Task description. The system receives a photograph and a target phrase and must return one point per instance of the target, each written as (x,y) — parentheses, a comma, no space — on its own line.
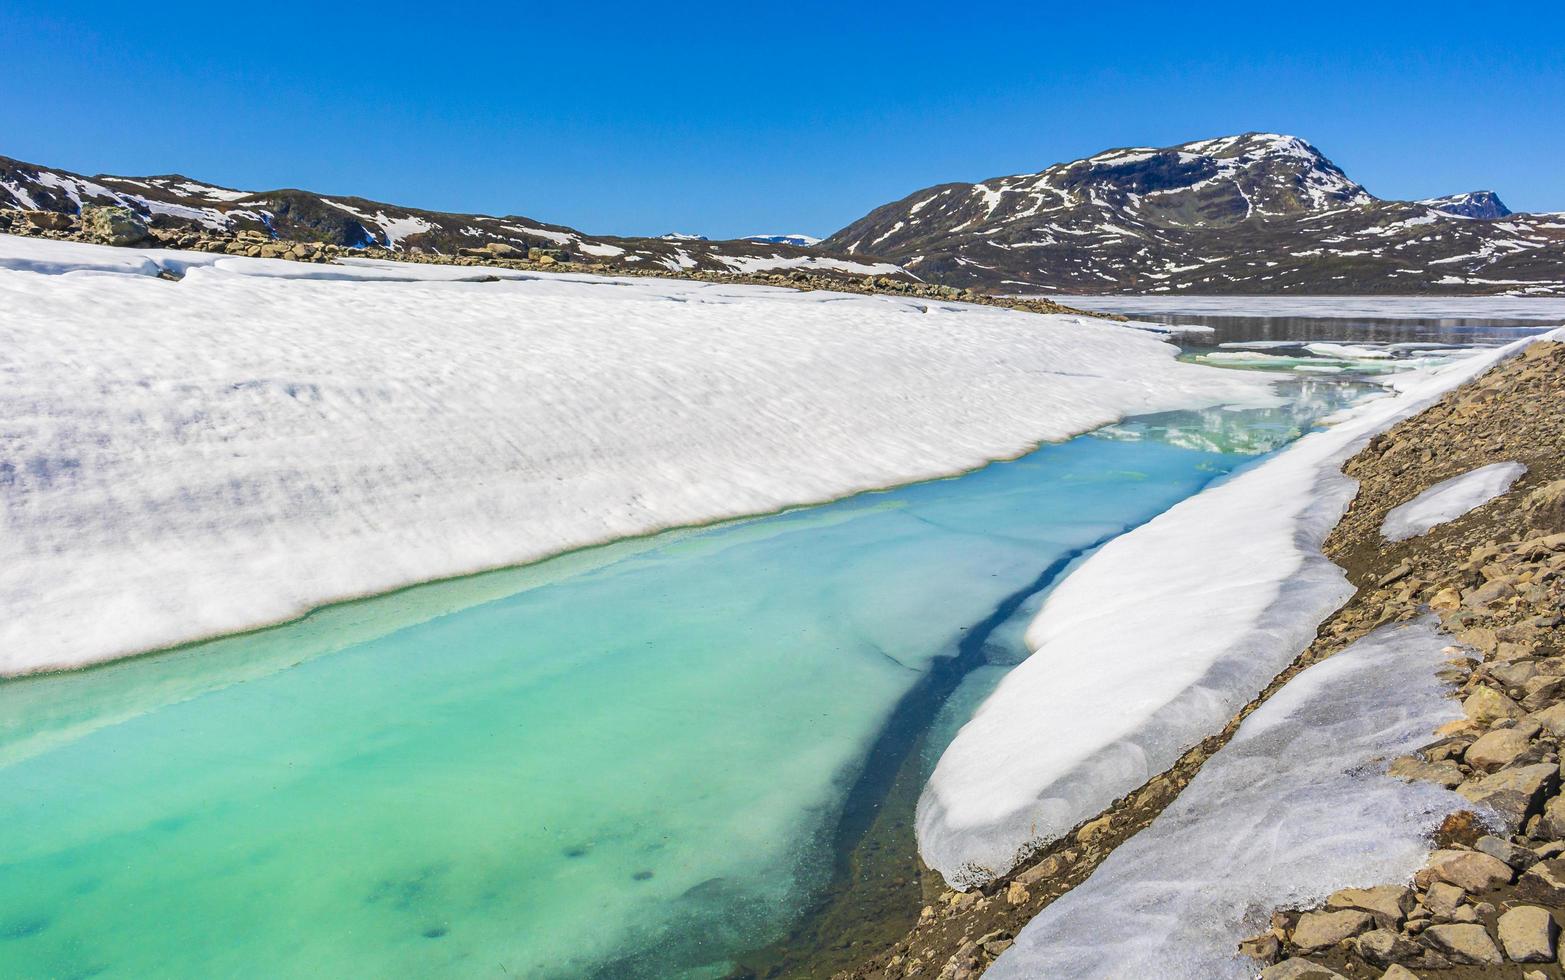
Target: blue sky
(729,119)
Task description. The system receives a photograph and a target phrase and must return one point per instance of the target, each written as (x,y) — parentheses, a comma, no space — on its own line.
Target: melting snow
(1450,499)
(196,457)
(1296,806)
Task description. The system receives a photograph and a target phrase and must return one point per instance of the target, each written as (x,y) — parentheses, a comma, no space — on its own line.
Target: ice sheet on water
(1296,806)
(190,458)
(1155,642)
(1450,499)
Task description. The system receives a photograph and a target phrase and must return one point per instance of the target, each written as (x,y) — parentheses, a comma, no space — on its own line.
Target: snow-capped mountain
(1254,213)
(173,200)
(1474,204)
(802,241)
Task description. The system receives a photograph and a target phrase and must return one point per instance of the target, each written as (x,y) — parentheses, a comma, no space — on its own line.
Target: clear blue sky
(728,119)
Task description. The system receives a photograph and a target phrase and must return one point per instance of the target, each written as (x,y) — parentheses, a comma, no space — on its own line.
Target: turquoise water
(624,762)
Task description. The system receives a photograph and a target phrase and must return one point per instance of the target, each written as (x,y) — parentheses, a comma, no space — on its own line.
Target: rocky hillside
(1256,213)
(176,203)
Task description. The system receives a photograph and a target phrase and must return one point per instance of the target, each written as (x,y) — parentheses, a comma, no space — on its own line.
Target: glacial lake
(632,761)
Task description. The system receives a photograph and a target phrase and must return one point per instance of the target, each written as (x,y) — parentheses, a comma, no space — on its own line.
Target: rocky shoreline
(123,227)
(1496,578)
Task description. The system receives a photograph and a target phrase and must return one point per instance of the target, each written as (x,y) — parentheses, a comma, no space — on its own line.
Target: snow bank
(1296,806)
(1450,499)
(183,459)
(1155,642)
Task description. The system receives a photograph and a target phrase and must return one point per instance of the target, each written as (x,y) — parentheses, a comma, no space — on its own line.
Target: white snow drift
(1154,643)
(1450,499)
(182,459)
(1296,806)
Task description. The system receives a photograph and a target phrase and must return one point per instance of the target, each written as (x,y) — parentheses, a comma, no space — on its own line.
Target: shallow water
(625,762)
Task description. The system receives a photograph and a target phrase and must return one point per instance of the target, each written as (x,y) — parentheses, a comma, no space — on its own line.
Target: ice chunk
(1295,807)
(1154,643)
(1450,499)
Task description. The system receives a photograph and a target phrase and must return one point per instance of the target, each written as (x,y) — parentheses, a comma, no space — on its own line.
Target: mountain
(1474,204)
(803,241)
(1254,213)
(173,202)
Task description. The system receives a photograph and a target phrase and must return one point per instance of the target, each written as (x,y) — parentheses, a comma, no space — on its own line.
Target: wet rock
(1468,870)
(1319,930)
(1444,773)
(1528,934)
(1266,947)
(1514,793)
(1464,944)
(1517,857)
(1389,904)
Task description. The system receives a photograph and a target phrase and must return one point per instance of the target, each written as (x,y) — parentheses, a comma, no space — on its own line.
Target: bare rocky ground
(123,227)
(1490,901)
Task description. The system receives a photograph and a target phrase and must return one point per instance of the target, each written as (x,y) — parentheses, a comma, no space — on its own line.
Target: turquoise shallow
(622,762)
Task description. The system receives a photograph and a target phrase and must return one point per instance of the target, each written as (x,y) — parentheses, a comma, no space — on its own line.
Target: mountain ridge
(177,202)
(1250,213)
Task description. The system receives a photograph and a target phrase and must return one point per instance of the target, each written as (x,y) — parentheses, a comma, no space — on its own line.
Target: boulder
(1297,969)
(1497,749)
(1544,883)
(1528,934)
(1463,943)
(1517,857)
(1398,972)
(1545,506)
(1485,706)
(49,220)
(1514,793)
(1320,930)
(504,250)
(1552,824)
(1444,773)
(114,225)
(1385,946)
(1469,870)
(1443,898)
(1389,904)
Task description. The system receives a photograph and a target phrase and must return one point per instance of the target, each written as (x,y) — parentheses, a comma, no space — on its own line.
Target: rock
(502,250)
(1446,600)
(1092,829)
(1517,857)
(1443,898)
(1389,904)
(49,220)
(1552,719)
(1552,823)
(1491,592)
(1485,706)
(1469,870)
(1459,828)
(1398,972)
(1446,773)
(1463,943)
(1544,883)
(1319,930)
(1528,934)
(1384,946)
(1514,793)
(1396,573)
(1545,506)
(1265,947)
(114,225)
(1481,638)
(1047,868)
(1017,893)
(1299,969)
(1497,749)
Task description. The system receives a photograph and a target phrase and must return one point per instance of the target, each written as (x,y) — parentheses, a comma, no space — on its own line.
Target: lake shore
(1505,415)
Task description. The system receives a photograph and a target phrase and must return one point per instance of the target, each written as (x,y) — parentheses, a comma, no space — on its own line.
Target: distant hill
(1254,213)
(173,200)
